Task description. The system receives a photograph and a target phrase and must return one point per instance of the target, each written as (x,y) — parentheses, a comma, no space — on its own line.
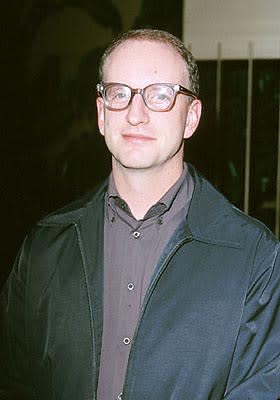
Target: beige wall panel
(235,24)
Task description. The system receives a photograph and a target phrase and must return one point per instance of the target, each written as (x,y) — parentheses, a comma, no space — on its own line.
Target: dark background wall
(51,151)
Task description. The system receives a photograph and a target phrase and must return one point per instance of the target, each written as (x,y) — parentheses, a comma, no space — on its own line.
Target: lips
(137,138)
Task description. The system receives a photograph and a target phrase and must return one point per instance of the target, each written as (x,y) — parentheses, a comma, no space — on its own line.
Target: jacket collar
(212,218)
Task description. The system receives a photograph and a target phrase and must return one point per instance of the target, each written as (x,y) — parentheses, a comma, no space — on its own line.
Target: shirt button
(136,234)
(126,341)
(130,286)
(123,206)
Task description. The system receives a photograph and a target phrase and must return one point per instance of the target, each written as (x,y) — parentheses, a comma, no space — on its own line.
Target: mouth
(137,138)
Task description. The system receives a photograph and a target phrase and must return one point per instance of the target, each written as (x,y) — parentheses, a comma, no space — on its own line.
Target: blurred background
(51,151)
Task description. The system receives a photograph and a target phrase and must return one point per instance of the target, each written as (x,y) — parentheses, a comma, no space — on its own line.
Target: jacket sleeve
(255,369)
(15,375)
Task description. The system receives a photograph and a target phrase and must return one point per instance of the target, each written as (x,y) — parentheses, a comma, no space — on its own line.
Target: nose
(137,111)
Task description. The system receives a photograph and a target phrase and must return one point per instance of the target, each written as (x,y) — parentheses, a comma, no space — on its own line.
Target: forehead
(141,62)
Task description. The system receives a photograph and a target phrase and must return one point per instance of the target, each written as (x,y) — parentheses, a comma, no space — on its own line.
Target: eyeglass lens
(117,96)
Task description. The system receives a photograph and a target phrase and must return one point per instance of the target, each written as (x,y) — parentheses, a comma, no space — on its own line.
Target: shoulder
(215,218)
(56,237)
(61,224)
(76,210)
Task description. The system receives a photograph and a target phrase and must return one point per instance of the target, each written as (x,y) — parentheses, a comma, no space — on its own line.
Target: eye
(160,94)
(120,95)
(117,94)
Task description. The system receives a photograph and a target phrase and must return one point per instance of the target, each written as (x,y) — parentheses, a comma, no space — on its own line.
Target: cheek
(173,127)
(113,120)
(110,128)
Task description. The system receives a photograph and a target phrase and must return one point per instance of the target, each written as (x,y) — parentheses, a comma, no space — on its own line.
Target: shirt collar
(183,184)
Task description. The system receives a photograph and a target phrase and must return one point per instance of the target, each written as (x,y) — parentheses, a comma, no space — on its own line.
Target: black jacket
(210,324)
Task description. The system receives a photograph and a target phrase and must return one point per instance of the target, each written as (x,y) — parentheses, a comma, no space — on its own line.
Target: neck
(141,189)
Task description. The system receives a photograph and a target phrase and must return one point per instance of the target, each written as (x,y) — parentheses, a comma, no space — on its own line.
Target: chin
(135,164)
(134,160)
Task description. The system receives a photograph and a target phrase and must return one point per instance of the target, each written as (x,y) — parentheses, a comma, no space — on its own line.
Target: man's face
(137,137)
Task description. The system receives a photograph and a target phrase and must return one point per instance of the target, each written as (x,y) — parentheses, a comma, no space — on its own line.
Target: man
(154,287)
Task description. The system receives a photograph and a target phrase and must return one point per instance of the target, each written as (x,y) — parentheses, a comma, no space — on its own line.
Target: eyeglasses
(157,96)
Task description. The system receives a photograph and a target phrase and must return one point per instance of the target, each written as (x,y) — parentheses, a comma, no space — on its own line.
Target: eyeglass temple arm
(186,91)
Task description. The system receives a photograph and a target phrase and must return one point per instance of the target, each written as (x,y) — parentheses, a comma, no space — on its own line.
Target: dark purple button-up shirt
(132,249)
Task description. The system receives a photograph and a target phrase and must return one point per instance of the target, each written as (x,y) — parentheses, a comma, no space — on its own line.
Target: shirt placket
(130,301)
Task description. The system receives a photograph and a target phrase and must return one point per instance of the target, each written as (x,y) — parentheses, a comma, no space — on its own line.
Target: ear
(100,114)
(193,118)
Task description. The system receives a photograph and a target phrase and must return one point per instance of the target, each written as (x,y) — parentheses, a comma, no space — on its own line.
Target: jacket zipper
(148,295)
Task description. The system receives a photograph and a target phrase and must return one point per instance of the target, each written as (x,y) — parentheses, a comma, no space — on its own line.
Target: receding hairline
(157,36)
(125,44)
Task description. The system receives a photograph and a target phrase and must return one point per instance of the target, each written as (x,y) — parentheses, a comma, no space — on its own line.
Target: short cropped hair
(155,35)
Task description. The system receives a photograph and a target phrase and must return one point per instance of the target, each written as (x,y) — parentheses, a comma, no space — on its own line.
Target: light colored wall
(234,23)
